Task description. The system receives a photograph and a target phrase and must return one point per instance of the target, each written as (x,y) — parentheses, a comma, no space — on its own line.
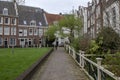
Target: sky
(57,6)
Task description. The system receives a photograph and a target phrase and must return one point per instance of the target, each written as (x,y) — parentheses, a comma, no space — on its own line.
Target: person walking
(56,43)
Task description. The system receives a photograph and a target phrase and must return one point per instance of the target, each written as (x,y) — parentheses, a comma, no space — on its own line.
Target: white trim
(45,18)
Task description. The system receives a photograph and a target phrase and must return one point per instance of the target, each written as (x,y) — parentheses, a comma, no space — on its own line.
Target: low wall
(26,75)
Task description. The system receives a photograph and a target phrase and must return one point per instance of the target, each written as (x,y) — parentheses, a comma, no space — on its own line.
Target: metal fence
(94,70)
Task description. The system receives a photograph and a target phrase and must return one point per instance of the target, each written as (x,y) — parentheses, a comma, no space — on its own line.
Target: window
(13,31)
(20,31)
(13,21)
(35,30)
(6,20)
(24,22)
(30,31)
(5,11)
(33,23)
(114,16)
(40,23)
(6,30)
(1,30)
(0,41)
(1,20)
(12,41)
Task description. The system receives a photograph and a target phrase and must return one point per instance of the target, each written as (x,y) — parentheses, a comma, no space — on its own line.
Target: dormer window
(5,11)
(40,24)
(33,23)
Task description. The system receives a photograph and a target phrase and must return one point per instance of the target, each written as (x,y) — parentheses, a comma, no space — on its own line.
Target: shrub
(84,43)
(110,39)
(75,44)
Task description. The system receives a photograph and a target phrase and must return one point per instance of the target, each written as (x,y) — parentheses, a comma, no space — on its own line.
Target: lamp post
(39,43)
(13,41)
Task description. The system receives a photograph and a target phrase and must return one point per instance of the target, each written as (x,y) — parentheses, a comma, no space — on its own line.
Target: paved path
(59,66)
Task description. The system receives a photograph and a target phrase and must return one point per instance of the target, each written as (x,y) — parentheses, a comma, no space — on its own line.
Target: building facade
(102,13)
(21,25)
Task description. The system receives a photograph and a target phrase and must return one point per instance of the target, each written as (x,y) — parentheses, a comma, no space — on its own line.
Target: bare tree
(20,2)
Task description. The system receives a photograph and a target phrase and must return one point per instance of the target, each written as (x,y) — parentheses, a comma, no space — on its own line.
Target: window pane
(12,41)
(0,41)
(0,19)
(5,11)
(6,20)
(13,21)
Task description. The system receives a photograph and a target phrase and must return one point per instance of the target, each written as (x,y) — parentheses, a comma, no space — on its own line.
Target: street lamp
(13,41)
(39,43)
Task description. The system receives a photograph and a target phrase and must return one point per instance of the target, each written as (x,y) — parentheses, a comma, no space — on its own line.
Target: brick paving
(59,66)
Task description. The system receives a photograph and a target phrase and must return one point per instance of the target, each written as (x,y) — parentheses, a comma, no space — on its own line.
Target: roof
(51,18)
(27,13)
(9,6)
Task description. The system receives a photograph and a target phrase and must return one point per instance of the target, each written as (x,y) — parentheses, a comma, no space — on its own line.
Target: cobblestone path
(59,66)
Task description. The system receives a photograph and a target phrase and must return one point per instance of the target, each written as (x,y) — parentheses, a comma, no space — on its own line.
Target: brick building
(102,13)
(21,25)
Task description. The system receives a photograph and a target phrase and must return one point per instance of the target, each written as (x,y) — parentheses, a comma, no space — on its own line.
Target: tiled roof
(53,17)
(28,14)
(9,6)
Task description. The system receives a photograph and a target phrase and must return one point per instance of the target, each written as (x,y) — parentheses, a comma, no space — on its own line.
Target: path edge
(26,75)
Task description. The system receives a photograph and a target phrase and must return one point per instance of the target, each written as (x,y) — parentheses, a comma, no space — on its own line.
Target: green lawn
(12,65)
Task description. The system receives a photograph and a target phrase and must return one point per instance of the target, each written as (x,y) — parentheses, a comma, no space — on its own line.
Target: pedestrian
(56,43)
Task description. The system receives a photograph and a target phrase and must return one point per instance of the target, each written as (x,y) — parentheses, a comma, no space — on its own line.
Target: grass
(13,64)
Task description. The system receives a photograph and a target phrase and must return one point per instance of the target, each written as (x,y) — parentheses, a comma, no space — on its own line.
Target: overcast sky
(57,6)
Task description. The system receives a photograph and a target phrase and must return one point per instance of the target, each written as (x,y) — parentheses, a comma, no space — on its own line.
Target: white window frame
(33,23)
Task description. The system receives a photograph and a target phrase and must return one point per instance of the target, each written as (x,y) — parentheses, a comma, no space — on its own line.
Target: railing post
(73,53)
(98,70)
(80,58)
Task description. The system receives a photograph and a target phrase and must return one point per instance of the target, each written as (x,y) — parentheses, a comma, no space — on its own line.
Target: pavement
(59,66)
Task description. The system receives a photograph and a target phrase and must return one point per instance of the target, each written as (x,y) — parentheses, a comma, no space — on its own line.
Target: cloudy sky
(57,6)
